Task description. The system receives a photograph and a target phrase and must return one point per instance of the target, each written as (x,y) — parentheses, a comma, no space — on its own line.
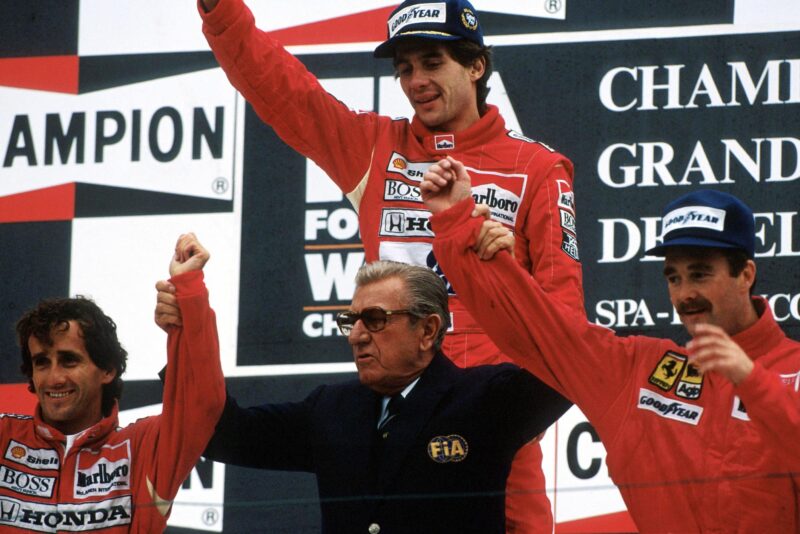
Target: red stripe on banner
(357,28)
(15,398)
(58,74)
(618,522)
(50,204)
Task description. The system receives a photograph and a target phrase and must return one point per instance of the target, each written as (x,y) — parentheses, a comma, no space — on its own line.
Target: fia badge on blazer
(445,449)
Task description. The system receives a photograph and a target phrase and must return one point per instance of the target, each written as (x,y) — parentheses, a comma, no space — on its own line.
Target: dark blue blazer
(441,468)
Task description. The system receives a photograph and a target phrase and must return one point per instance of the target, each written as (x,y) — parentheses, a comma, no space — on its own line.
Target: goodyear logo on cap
(417,14)
(694,217)
(445,449)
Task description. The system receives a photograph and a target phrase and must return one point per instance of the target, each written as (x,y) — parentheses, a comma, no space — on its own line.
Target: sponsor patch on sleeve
(568,221)
(566,198)
(569,244)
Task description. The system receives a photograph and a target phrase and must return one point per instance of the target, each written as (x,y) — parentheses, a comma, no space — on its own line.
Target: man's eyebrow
(700,266)
(669,270)
(430,54)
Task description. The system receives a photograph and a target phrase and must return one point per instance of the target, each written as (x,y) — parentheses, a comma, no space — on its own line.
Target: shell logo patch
(668,370)
(399,164)
(446,449)
(18,452)
(468,19)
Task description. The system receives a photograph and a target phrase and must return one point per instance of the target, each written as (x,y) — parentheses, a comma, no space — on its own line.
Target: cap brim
(386,49)
(661,250)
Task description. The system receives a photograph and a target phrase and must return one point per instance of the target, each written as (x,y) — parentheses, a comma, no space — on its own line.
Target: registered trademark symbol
(210,516)
(220,185)
(552,6)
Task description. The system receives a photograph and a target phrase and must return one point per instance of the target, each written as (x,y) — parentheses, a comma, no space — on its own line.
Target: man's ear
(748,275)
(108,376)
(430,328)
(477,69)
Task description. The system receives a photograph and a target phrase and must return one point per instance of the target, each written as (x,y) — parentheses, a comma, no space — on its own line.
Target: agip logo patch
(691,383)
(446,449)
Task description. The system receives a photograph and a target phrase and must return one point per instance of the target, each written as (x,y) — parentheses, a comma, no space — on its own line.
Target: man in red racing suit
(104,478)
(378,163)
(699,438)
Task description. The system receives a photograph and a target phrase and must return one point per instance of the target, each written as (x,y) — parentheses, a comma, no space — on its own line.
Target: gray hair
(425,292)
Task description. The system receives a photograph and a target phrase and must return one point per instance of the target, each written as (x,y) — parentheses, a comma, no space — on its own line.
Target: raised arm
(287,97)
(586,363)
(194,388)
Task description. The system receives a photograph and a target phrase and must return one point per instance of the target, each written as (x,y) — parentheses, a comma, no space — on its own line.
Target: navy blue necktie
(392,409)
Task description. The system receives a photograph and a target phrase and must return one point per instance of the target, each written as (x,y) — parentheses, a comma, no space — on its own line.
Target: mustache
(694,305)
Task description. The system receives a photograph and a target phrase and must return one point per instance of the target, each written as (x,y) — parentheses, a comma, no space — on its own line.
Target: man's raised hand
(445,184)
(189,255)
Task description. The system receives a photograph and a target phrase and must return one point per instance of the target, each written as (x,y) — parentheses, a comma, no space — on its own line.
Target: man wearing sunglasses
(700,438)
(416,444)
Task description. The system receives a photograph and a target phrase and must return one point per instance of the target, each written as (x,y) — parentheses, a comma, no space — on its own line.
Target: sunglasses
(374,319)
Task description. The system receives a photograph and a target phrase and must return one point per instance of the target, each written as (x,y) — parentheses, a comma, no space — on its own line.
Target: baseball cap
(448,20)
(707,219)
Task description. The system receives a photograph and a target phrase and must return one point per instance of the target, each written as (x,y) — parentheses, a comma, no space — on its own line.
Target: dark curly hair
(99,333)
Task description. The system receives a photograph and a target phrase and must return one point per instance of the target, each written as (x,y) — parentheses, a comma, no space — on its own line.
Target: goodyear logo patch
(418,14)
(694,217)
(446,449)
(669,408)
(668,370)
